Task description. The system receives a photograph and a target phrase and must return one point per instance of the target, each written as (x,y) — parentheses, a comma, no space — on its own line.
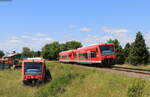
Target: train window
(64,57)
(107,49)
(93,54)
(83,56)
(74,55)
(80,56)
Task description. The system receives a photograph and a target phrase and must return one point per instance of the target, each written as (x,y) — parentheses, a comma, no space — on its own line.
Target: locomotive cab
(33,70)
(108,54)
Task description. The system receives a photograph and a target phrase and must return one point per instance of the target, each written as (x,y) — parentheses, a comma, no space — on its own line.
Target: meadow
(73,81)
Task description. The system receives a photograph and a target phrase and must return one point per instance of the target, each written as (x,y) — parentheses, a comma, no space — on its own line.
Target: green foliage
(136,89)
(73,45)
(119,51)
(63,47)
(138,53)
(1,54)
(26,52)
(127,51)
(37,53)
(115,42)
(50,51)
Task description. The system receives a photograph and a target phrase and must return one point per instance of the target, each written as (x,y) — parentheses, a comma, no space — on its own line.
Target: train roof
(94,45)
(83,48)
(36,59)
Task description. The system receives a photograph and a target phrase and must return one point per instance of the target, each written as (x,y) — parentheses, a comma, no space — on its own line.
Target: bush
(136,89)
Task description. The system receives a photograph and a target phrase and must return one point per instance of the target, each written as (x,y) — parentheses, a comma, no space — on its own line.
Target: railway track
(138,71)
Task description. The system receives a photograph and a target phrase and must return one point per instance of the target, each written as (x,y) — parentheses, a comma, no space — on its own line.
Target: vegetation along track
(118,69)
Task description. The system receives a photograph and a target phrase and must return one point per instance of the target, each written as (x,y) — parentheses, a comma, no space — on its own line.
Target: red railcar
(33,70)
(103,53)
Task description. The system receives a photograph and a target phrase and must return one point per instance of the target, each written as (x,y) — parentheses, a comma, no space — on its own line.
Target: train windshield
(33,68)
(107,49)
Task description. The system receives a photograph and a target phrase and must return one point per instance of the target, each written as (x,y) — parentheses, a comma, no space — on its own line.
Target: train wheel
(25,82)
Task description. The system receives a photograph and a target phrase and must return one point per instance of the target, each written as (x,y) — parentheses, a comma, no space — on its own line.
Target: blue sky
(34,23)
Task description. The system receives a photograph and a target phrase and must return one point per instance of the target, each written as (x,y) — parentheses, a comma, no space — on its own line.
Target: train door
(89,56)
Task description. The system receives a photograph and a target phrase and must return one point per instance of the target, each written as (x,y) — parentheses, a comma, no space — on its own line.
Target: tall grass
(136,89)
(71,81)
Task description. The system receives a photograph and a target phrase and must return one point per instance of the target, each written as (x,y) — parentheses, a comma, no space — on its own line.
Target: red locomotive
(103,54)
(33,70)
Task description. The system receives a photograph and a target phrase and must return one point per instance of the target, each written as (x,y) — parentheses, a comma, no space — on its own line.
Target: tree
(37,54)
(26,52)
(73,45)
(139,52)
(50,51)
(127,51)
(119,51)
(115,42)
(63,47)
(70,45)
(1,54)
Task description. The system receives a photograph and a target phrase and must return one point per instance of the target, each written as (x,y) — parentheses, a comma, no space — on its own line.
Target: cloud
(40,34)
(72,26)
(85,29)
(14,37)
(16,43)
(26,37)
(113,30)
(147,39)
(95,39)
(68,35)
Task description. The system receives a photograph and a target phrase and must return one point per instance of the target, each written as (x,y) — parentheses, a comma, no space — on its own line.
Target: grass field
(71,81)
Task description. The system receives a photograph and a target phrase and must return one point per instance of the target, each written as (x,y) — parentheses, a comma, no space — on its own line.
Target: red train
(33,70)
(101,54)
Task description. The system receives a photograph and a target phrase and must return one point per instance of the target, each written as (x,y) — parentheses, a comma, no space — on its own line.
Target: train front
(108,54)
(32,71)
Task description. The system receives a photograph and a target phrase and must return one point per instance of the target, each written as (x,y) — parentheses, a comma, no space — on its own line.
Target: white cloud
(72,26)
(68,35)
(14,37)
(113,30)
(122,37)
(85,29)
(14,41)
(26,37)
(40,34)
(147,39)
(33,42)
(95,39)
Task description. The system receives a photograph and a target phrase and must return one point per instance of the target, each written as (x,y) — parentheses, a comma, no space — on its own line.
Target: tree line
(50,51)
(135,53)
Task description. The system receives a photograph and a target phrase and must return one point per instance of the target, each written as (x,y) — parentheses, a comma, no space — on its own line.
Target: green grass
(145,67)
(71,81)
